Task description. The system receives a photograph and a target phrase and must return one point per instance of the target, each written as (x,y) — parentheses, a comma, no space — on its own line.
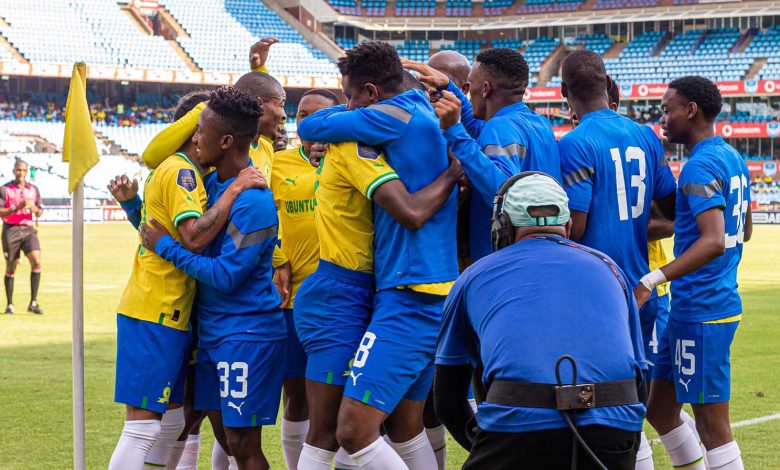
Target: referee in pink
(19,201)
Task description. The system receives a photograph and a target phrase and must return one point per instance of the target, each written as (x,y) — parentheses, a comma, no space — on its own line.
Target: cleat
(34,308)
(9,310)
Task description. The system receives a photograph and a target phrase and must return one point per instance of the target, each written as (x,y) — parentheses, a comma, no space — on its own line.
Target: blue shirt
(517,322)
(715,176)
(612,169)
(236,298)
(514,140)
(406,128)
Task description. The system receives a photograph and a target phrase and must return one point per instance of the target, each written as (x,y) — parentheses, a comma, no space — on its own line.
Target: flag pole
(79,446)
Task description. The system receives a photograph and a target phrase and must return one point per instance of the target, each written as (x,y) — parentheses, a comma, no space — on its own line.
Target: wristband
(653,279)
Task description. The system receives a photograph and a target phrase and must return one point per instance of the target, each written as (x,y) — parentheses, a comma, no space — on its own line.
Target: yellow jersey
(657,255)
(292,184)
(343,215)
(157,291)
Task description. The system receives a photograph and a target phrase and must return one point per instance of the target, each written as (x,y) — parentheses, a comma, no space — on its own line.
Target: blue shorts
(696,358)
(295,360)
(394,360)
(654,316)
(149,359)
(332,310)
(243,380)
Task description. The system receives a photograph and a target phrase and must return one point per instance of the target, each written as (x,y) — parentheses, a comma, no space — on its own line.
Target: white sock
(293,435)
(233,464)
(417,453)
(644,456)
(189,458)
(473,403)
(683,448)
(174,455)
(691,423)
(380,456)
(171,426)
(438,438)
(344,461)
(219,458)
(725,457)
(137,439)
(314,458)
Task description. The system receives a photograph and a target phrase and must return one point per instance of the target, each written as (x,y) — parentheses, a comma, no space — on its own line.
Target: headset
(501,228)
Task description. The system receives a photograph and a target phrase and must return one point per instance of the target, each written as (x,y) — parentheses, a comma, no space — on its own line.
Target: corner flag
(79,146)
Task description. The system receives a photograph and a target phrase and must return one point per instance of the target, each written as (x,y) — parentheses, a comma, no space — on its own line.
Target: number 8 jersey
(612,169)
(715,176)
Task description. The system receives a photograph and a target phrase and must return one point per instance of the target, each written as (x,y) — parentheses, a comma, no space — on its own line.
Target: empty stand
(550,6)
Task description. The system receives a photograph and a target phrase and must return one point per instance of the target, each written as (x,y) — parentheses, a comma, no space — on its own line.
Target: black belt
(563,397)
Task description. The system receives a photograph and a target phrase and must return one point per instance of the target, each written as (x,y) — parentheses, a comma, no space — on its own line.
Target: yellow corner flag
(79,146)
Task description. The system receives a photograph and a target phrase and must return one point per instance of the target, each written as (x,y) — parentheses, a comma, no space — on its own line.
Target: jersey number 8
(637,181)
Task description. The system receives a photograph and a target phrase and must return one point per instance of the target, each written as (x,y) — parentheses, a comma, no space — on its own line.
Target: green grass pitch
(35,377)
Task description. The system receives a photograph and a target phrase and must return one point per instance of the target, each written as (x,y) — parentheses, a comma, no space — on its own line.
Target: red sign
(114,214)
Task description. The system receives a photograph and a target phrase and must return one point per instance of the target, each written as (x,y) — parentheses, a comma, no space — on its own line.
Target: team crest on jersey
(368,152)
(186,179)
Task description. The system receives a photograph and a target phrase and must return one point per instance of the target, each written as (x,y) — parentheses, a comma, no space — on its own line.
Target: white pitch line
(739,424)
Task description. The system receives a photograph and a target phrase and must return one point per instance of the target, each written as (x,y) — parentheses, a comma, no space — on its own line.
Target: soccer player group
(322,271)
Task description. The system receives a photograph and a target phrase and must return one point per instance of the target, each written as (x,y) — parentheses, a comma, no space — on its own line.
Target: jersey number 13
(637,181)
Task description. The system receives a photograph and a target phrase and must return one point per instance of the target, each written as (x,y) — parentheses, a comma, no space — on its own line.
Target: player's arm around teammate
(712,222)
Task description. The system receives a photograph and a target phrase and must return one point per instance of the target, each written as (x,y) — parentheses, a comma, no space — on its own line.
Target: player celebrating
(19,201)
(390,373)
(241,329)
(292,184)
(510,137)
(712,222)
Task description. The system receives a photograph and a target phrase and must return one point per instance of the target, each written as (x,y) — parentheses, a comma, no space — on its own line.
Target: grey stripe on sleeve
(392,110)
(580,174)
(241,240)
(506,151)
(702,190)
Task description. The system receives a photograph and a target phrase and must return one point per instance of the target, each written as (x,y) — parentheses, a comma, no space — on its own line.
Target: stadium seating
(374,7)
(468,47)
(458,8)
(221,30)
(347,7)
(496,7)
(615,4)
(598,43)
(536,52)
(415,8)
(415,49)
(95,31)
(765,43)
(132,140)
(550,6)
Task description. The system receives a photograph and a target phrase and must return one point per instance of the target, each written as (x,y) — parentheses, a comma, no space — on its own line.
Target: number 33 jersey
(715,176)
(612,169)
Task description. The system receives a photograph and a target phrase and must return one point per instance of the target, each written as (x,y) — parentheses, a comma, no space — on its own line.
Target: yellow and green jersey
(344,187)
(657,256)
(292,184)
(157,291)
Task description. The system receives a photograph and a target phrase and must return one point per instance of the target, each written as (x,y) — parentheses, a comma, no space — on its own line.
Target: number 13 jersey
(612,169)
(715,176)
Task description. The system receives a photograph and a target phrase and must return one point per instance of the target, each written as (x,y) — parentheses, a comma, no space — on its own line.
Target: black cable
(577,437)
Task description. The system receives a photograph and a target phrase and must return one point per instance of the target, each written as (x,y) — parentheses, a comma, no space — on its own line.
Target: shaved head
(260,85)
(584,76)
(454,64)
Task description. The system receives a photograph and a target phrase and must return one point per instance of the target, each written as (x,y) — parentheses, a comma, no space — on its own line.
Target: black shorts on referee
(17,238)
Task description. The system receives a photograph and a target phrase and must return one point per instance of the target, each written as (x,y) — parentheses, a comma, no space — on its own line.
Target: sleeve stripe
(379,181)
(185,215)
(241,240)
(394,111)
(506,151)
(702,190)
(580,174)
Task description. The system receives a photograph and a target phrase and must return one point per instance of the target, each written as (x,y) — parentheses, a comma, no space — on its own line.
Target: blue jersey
(236,297)
(715,176)
(612,169)
(499,310)
(514,140)
(406,128)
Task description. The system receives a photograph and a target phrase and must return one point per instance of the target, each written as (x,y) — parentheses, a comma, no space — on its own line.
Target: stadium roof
(702,11)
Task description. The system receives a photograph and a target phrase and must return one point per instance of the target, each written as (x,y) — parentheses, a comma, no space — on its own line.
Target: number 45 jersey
(715,176)
(612,169)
